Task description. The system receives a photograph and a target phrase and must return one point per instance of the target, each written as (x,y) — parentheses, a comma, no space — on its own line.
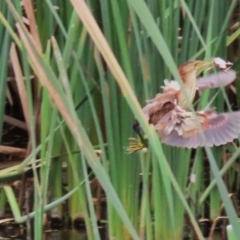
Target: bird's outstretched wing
(215,80)
(182,129)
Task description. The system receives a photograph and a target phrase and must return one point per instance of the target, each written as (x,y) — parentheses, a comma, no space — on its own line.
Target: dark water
(18,233)
(65,234)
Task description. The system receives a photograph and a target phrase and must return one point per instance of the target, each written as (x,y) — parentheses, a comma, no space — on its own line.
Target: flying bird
(169,111)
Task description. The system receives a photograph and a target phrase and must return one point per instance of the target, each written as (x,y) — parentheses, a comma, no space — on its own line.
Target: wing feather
(218,129)
(156,108)
(220,79)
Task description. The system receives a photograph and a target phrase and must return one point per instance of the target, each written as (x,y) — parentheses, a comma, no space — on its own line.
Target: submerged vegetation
(74,75)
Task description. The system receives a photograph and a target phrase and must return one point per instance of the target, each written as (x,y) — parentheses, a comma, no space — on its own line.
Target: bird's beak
(204,65)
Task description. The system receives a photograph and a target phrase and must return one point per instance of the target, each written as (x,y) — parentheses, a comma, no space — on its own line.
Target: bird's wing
(220,79)
(154,107)
(217,129)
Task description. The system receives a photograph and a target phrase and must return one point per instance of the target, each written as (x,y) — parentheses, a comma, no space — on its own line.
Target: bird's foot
(135,145)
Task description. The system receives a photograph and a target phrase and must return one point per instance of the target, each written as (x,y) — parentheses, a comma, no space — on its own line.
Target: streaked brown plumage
(181,128)
(188,73)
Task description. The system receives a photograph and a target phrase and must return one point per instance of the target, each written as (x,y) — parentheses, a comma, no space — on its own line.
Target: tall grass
(94,65)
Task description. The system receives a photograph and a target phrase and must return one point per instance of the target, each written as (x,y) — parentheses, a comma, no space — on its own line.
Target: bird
(169,111)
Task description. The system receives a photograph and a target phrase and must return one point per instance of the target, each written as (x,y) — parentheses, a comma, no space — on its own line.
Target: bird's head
(190,70)
(195,66)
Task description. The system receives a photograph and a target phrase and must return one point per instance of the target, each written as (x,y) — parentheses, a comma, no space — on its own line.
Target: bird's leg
(134,143)
(138,130)
(143,139)
(136,127)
